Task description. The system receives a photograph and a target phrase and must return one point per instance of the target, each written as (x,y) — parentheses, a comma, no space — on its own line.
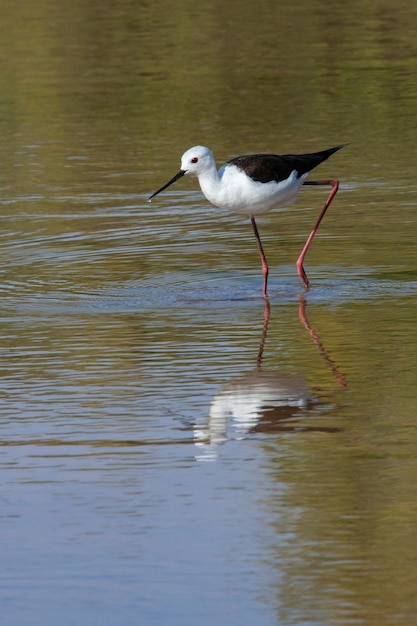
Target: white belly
(237,192)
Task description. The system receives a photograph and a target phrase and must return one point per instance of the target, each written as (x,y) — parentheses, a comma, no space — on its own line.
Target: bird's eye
(194,160)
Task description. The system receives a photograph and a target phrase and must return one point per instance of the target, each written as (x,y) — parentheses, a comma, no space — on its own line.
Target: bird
(254,184)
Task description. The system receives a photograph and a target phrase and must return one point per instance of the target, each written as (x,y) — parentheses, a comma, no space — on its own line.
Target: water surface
(171,450)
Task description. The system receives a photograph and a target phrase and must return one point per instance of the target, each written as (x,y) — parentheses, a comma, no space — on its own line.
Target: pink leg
(300,268)
(262,255)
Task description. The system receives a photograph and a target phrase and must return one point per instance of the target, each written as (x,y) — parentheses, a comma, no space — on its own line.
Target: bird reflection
(264,401)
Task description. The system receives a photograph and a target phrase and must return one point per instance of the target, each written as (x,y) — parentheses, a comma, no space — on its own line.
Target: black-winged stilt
(254,184)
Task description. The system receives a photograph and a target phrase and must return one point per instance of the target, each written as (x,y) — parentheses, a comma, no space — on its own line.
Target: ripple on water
(179,290)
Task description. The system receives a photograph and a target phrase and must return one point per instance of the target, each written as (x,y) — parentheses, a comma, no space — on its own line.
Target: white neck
(210,184)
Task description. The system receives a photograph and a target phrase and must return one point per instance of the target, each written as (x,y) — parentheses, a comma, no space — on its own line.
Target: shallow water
(171,448)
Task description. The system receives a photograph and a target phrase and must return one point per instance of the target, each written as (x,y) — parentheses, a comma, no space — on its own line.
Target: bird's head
(195,161)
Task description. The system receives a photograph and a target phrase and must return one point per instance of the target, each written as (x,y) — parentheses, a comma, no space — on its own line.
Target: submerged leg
(265,269)
(300,268)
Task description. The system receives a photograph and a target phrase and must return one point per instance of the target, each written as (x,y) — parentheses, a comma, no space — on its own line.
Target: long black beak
(176,177)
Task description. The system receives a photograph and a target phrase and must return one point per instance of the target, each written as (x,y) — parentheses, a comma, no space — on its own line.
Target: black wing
(265,168)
